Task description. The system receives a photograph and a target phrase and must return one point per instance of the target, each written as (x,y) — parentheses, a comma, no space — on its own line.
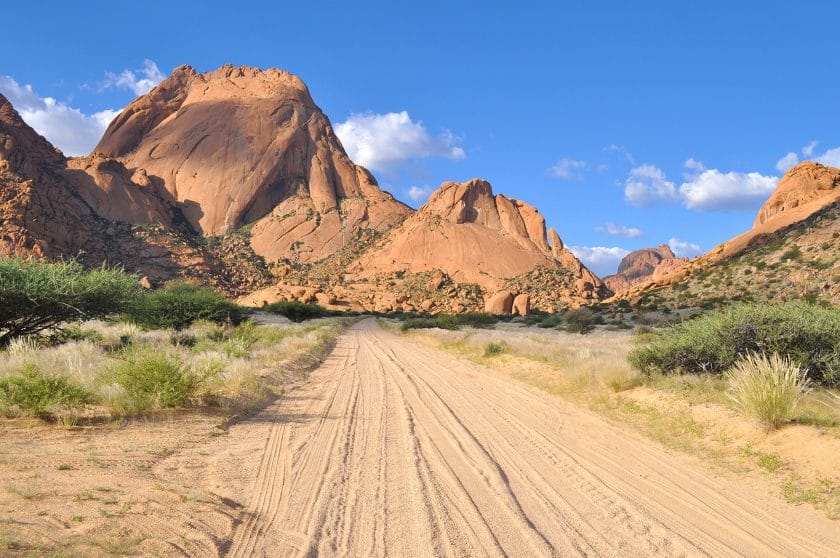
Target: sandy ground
(390,448)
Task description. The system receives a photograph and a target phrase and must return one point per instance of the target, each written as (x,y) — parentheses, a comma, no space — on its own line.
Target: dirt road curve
(393,449)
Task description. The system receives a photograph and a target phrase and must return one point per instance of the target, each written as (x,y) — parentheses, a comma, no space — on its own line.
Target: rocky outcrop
(245,156)
(473,236)
(640,265)
(95,209)
(241,146)
(499,303)
(808,190)
(40,213)
(804,189)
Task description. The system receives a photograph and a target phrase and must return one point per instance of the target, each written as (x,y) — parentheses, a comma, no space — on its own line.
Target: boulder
(522,304)
(499,303)
(324,299)
(436,281)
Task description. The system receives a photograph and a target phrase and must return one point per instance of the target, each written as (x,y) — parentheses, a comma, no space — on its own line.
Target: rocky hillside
(235,178)
(641,265)
(241,146)
(792,251)
(95,209)
(458,251)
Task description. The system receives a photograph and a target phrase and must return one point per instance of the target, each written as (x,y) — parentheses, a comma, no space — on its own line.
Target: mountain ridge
(268,177)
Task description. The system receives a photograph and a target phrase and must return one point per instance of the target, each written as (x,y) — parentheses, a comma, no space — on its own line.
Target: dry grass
(767,387)
(124,370)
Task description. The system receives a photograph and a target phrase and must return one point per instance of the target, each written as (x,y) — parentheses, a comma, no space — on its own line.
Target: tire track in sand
(393,449)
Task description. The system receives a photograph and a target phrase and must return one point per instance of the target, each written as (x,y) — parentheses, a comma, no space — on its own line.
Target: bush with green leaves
(297,311)
(177,305)
(38,295)
(712,342)
(495,348)
(152,379)
(767,387)
(478,320)
(581,320)
(30,392)
(441,321)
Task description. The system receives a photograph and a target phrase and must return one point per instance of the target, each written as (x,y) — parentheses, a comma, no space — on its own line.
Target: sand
(390,448)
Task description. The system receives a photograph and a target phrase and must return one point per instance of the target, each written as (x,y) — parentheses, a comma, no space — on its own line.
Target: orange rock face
(809,186)
(640,265)
(238,146)
(40,213)
(472,235)
(207,154)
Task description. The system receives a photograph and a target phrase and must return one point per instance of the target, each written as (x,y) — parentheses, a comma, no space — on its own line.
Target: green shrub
(29,392)
(713,342)
(495,348)
(767,387)
(580,320)
(177,305)
(152,380)
(297,311)
(477,319)
(182,339)
(38,295)
(551,321)
(793,253)
(442,321)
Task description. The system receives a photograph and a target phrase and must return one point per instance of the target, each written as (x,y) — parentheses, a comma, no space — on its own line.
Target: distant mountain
(641,265)
(235,178)
(792,251)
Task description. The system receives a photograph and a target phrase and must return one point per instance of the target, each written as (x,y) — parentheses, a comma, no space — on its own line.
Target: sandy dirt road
(395,449)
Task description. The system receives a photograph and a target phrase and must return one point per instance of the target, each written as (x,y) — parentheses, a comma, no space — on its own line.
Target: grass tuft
(768,388)
(495,348)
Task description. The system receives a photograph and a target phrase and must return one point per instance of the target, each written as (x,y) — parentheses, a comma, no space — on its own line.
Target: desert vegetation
(712,343)
(297,311)
(767,387)
(81,344)
(479,320)
(795,262)
(39,296)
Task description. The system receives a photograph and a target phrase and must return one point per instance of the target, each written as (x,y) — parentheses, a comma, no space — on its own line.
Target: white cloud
(788,161)
(602,260)
(693,168)
(694,165)
(713,190)
(418,193)
(619,230)
(684,249)
(647,183)
(710,190)
(140,81)
(621,151)
(568,169)
(68,128)
(830,157)
(383,141)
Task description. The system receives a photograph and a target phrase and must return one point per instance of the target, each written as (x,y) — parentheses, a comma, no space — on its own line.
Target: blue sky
(626,124)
